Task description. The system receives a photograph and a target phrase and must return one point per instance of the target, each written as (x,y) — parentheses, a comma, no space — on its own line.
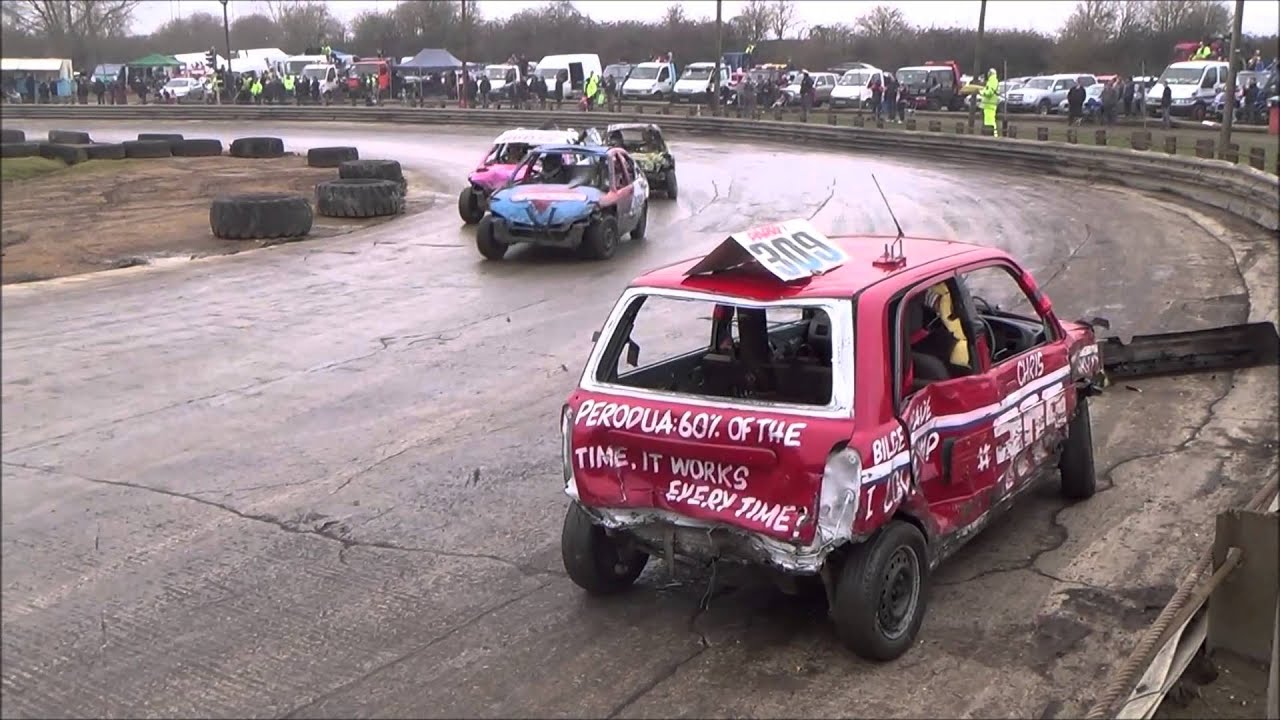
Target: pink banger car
(502,160)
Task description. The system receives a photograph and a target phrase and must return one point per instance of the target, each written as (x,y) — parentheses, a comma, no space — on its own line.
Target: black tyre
(672,187)
(487,242)
(19,149)
(1079,478)
(260,216)
(257,147)
(331,156)
(372,169)
(596,562)
(881,593)
(147,148)
(600,240)
(637,233)
(69,137)
(470,209)
(10,135)
(198,147)
(1043,108)
(359,197)
(105,151)
(172,138)
(69,154)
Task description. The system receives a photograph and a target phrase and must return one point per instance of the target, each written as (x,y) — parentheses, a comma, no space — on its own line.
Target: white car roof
(1197,64)
(536,137)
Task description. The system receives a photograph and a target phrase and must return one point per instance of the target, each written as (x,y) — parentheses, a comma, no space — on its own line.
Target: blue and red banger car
(567,196)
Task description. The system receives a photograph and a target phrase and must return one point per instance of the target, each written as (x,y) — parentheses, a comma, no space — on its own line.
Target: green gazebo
(155,60)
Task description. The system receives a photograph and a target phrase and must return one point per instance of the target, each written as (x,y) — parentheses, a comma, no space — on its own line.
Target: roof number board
(791,250)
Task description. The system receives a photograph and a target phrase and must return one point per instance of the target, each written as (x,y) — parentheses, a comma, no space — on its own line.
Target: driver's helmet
(615,138)
(552,162)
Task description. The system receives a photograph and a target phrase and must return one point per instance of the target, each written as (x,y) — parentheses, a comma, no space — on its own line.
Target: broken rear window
(721,350)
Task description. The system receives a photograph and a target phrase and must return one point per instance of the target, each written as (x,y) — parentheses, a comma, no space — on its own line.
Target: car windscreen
(644,73)
(316,73)
(497,72)
(912,77)
(365,68)
(296,66)
(549,73)
(1181,76)
(637,140)
(574,169)
(704,348)
(1039,84)
(855,78)
(617,72)
(699,73)
(178,83)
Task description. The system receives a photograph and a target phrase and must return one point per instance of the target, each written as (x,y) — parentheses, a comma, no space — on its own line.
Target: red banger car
(854,408)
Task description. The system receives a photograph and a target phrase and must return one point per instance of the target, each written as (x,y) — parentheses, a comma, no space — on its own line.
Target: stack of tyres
(364,188)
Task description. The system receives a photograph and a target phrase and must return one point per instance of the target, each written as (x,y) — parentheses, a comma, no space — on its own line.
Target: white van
(498,76)
(694,84)
(650,81)
(328,76)
(1192,87)
(578,67)
(853,89)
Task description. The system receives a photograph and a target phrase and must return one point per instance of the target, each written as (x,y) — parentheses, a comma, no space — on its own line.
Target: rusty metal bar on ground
(1153,640)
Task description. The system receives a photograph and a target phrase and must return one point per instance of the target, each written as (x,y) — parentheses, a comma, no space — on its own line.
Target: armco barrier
(1240,191)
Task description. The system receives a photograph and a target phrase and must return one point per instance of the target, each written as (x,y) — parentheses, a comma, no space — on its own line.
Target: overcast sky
(1260,16)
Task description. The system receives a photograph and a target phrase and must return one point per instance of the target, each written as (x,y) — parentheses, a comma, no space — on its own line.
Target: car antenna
(893,255)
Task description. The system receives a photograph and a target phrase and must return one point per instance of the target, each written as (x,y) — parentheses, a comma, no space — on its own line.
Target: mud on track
(120,213)
(323,479)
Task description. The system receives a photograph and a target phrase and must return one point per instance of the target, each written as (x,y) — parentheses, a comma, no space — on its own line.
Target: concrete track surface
(323,479)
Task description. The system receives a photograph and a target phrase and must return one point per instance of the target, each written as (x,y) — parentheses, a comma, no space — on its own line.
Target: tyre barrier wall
(1241,191)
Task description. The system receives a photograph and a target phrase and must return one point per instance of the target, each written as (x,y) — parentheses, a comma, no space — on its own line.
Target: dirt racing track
(323,479)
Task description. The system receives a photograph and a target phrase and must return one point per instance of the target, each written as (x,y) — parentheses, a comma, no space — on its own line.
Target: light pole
(1229,111)
(715,77)
(977,59)
(466,80)
(226,35)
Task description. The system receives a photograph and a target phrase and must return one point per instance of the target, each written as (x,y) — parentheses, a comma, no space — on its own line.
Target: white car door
(641,193)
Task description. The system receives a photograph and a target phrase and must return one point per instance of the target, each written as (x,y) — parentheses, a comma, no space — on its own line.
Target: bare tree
(1166,16)
(674,16)
(1091,20)
(73,27)
(782,17)
(883,21)
(754,20)
(373,29)
(254,31)
(305,23)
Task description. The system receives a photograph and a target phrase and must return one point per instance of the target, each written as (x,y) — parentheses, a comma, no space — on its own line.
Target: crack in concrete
(831,192)
(441,637)
(1088,235)
(328,530)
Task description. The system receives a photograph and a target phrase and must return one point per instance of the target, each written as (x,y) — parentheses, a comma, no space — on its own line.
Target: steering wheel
(984,328)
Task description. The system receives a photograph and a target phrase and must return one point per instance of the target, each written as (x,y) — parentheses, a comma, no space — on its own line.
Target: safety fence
(1246,192)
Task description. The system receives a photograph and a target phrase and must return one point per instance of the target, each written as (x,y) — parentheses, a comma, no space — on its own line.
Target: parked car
(853,89)
(1092,103)
(1191,87)
(581,197)
(1043,94)
(824,83)
(650,81)
(695,83)
(185,89)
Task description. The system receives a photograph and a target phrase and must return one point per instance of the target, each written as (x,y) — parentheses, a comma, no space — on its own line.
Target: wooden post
(1073,136)
(1231,153)
(1011,132)
(1140,140)
(1171,144)
(1042,134)
(935,126)
(1204,148)
(1099,137)
(1258,158)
